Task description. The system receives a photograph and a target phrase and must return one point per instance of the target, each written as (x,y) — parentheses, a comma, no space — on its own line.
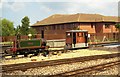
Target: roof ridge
(78,17)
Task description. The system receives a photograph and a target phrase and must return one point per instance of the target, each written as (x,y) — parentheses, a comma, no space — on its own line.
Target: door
(86,38)
(74,38)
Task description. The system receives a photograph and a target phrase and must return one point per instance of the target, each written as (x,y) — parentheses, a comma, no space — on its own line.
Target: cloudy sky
(37,10)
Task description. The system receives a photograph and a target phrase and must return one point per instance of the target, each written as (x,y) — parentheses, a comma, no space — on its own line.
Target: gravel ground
(114,70)
(74,53)
(52,70)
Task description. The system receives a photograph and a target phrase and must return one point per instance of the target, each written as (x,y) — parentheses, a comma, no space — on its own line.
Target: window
(62,26)
(92,25)
(49,27)
(54,27)
(73,24)
(107,25)
(58,27)
(46,28)
(68,34)
(80,34)
(68,26)
(41,28)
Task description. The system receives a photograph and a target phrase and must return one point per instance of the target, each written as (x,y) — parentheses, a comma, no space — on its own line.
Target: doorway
(74,38)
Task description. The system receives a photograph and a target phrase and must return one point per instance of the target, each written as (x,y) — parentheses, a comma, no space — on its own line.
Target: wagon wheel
(45,53)
(25,54)
(14,55)
(5,51)
(36,53)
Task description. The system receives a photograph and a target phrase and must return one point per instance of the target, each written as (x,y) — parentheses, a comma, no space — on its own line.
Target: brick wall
(93,27)
(98,30)
(87,26)
(93,36)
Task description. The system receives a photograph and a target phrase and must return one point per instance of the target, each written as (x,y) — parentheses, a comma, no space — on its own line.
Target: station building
(55,26)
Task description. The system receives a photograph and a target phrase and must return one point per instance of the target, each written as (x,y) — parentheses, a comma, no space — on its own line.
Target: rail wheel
(13,56)
(45,53)
(25,54)
(35,54)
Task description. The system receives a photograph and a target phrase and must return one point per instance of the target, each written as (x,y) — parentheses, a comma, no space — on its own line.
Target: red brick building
(56,25)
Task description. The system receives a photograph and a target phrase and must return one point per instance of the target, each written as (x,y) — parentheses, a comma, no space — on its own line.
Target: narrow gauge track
(85,71)
(50,52)
(25,66)
(2,55)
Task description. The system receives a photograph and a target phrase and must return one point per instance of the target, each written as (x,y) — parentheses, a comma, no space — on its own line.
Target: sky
(37,10)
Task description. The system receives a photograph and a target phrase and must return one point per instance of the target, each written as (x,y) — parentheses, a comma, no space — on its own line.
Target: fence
(93,37)
(104,37)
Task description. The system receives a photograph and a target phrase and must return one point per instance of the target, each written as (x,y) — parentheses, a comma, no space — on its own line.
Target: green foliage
(7,28)
(25,29)
(17,30)
(0,27)
(32,31)
(117,26)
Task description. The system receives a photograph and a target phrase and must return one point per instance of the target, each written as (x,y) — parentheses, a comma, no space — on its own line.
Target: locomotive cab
(76,39)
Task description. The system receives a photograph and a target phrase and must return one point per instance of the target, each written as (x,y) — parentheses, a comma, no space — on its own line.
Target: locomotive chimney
(42,33)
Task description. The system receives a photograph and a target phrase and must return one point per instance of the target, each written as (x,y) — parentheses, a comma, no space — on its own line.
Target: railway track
(85,71)
(2,55)
(50,53)
(25,66)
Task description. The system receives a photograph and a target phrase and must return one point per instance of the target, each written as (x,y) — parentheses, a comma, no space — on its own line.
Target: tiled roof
(68,18)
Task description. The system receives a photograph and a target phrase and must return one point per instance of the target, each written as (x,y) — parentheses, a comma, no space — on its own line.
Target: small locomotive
(29,46)
(74,39)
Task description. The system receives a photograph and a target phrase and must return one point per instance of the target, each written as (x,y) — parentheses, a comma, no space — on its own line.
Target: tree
(17,30)
(32,31)
(25,27)
(0,27)
(7,27)
(118,27)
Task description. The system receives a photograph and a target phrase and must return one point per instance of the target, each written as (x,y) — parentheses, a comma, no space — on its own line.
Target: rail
(25,66)
(88,70)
